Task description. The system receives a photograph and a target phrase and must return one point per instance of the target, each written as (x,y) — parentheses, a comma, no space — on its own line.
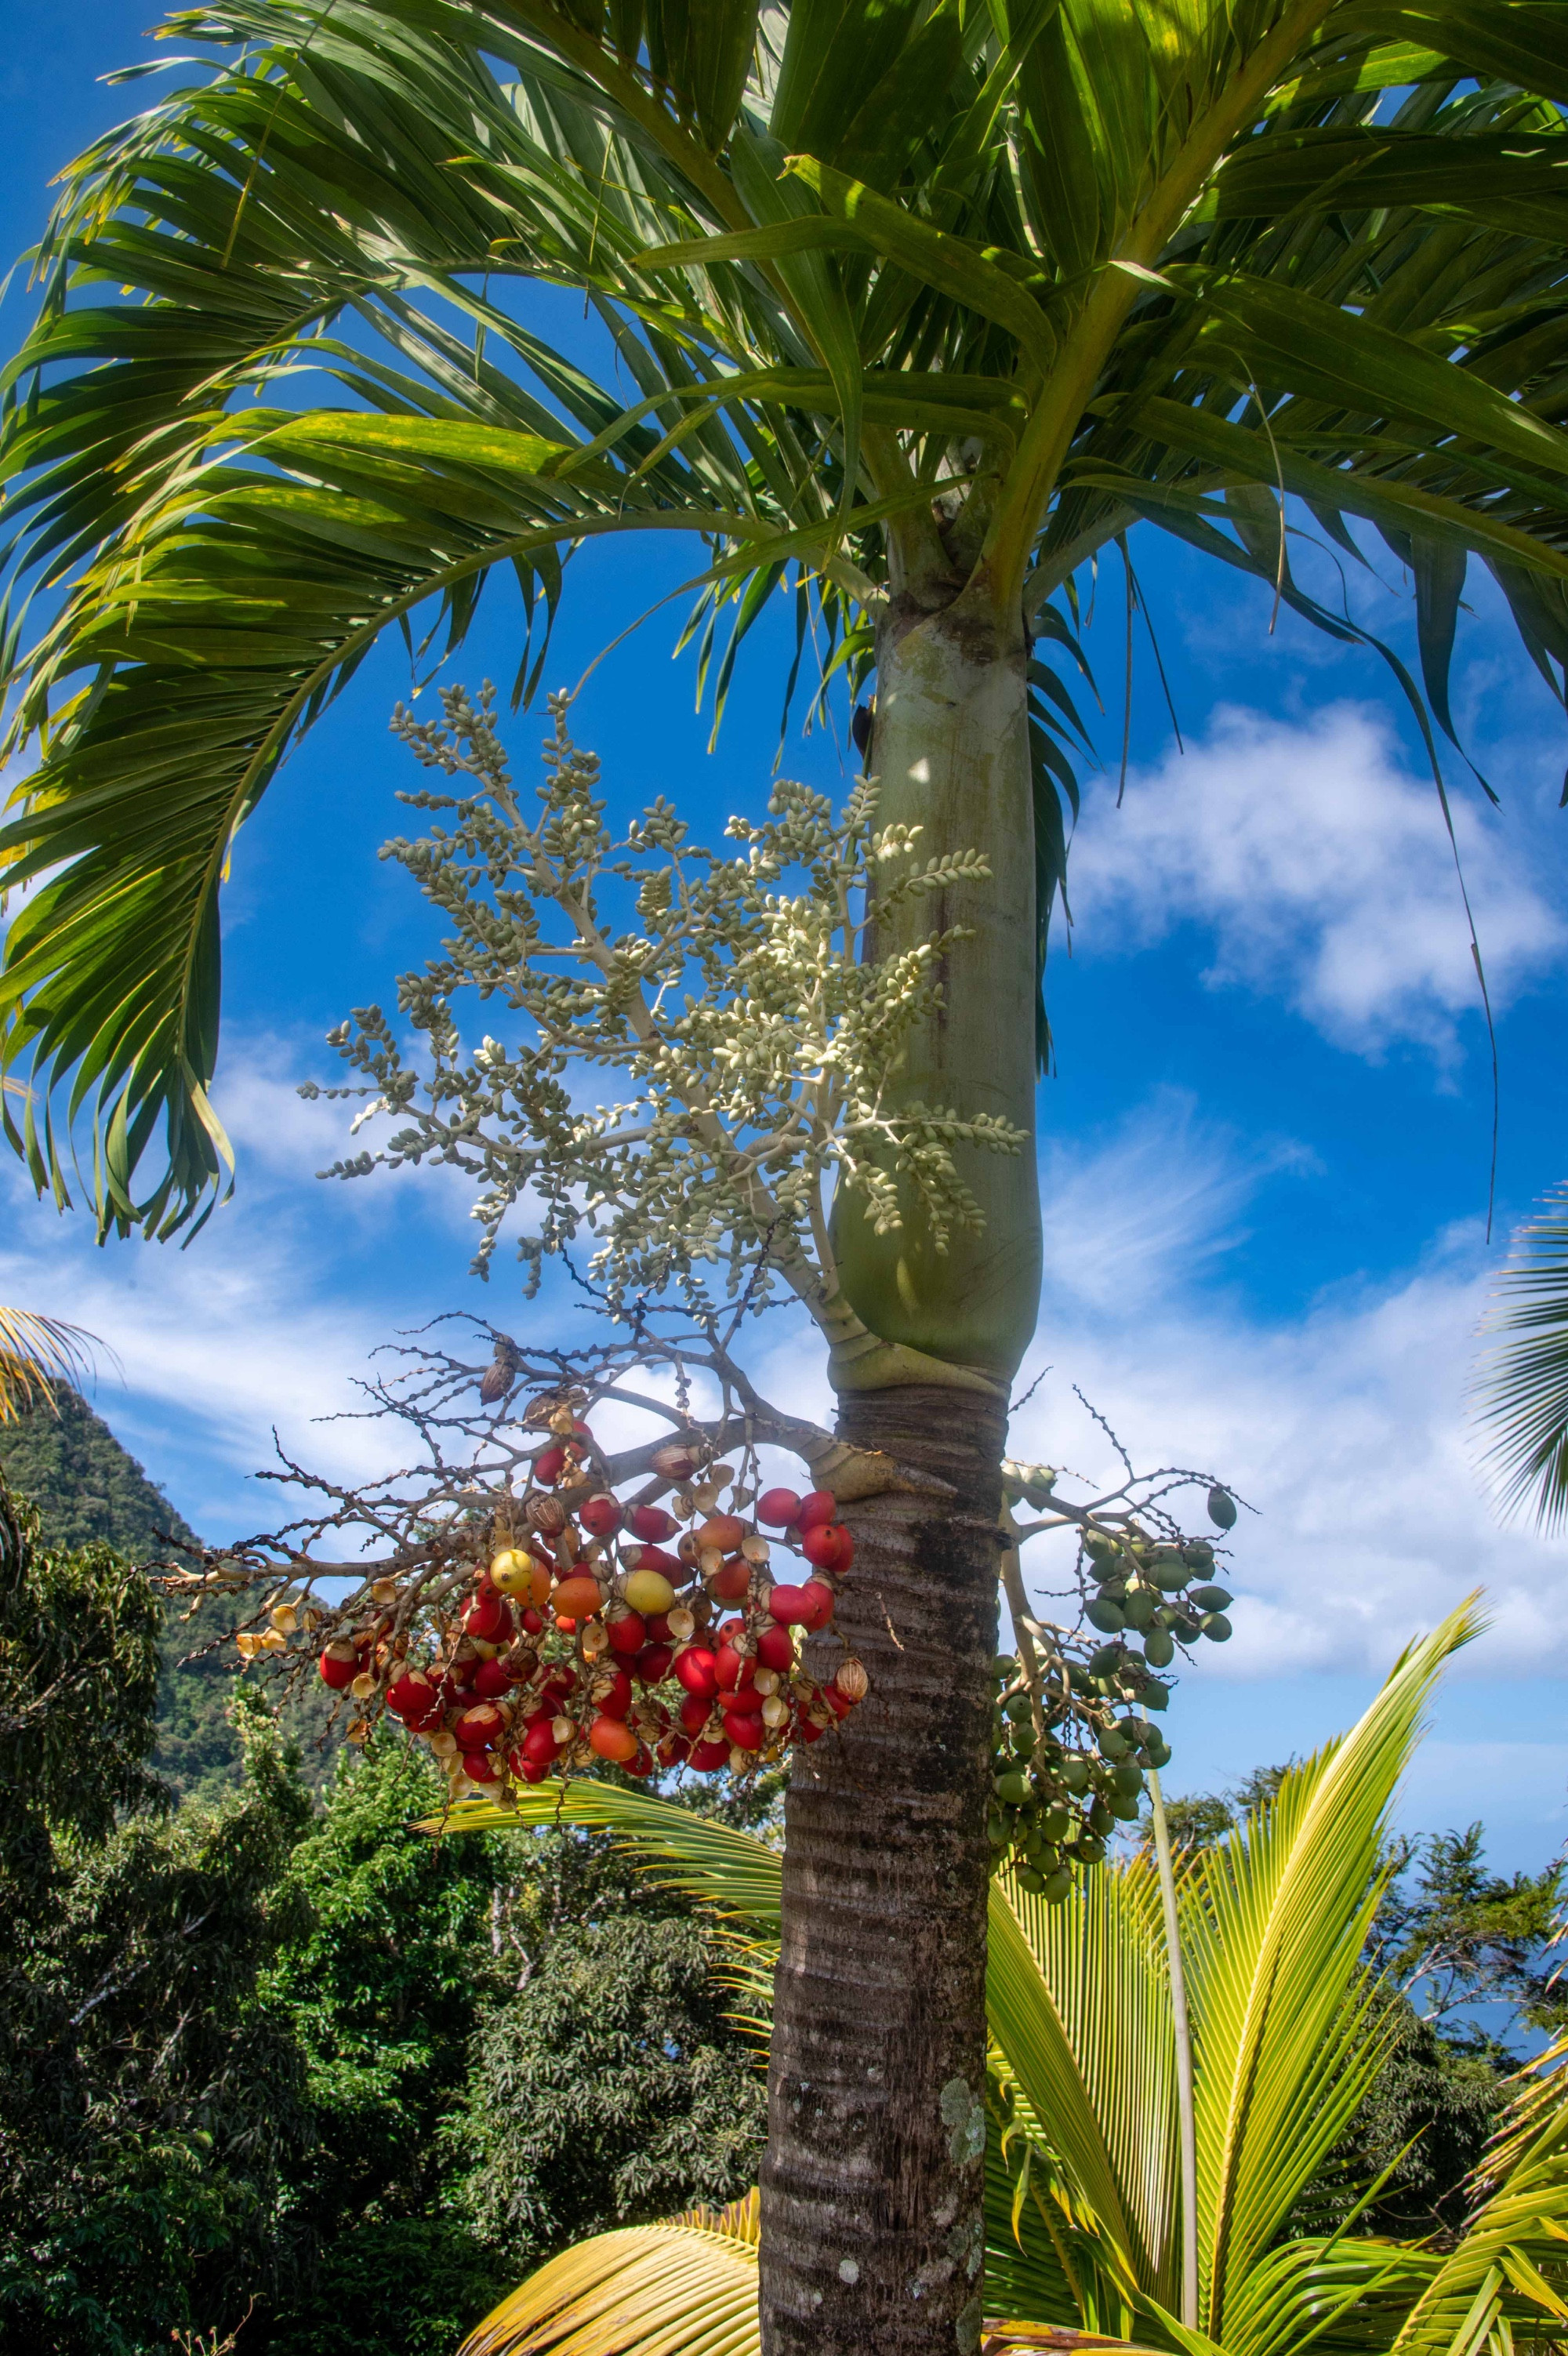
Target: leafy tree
(149,2099)
(930,304)
(608,2091)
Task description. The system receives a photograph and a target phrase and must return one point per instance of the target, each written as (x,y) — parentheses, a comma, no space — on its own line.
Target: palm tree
(923,306)
(1083,2186)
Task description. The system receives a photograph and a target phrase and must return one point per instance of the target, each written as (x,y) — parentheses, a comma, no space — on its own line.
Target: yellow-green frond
(687,2287)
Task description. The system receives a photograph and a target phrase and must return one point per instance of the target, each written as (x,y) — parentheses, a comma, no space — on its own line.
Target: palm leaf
(1523,1385)
(684,2289)
(1273,1927)
(36,1353)
(1146,264)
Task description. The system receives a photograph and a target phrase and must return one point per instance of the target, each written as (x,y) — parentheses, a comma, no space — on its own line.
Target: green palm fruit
(1012,1788)
(1016,1708)
(1097,1543)
(1127,1776)
(1216,1626)
(996,1831)
(1199,1554)
(1140,1607)
(1186,1627)
(1100,1818)
(1125,1807)
(1088,1850)
(1024,1741)
(1058,1886)
(1106,1616)
(1222,1508)
(1158,1753)
(1154,1694)
(1027,1879)
(1003,1668)
(1113,1743)
(1057,1822)
(1169,1573)
(1075,1772)
(1211,1598)
(1080,1681)
(1158,1649)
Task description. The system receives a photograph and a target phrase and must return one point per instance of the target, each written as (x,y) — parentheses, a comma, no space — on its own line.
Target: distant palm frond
(1523,1385)
(37,1353)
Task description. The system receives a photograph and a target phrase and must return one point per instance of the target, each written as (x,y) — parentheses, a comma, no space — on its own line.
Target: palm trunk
(873,2237)
(951,753)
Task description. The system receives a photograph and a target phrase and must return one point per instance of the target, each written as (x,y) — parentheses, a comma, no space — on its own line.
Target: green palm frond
(650,2290)
(1523,1385)
(1274,1927)
(1063,269)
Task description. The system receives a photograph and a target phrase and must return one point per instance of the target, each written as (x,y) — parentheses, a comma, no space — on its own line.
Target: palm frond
(1524,1384)
(1274,1927)
(1066,273)
(651,2290)
(730,1870)
(36,1353)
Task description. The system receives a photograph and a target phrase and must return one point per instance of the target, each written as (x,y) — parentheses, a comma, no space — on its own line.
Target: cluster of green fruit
(1153,1594)
(1066,1772)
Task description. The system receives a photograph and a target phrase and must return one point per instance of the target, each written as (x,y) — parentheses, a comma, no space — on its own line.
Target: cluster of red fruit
(592,1629)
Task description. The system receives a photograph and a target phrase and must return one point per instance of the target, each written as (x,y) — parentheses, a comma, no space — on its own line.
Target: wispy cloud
(1322,868)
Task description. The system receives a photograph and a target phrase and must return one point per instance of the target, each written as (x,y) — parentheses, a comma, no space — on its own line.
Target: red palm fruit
(539,1744)
(673,1750)
(778,1508)
(549,1465)
(840,1704)
(618,1700)
(534,1622)
(806,1729)
(819,1599)
(613,1739)
(774,1649)
(578,1598)
(725,1531)
(559,1686)
(788,1606)
(488,1617)
(481,1766)
(642,1764)
(491,1679)
(731,1583)
(817,1506)
(743,1727)
(734,1672)
(477,1728)
(653,1524)
(709,1756)
(414,1695)
(728,1630)
(339,1666)
(698,1671)
(600,1515)
(534,1771)
(627,1632)
(829,1545)
(694,1713)
(651,1666)
(657,1557)
(657,1627)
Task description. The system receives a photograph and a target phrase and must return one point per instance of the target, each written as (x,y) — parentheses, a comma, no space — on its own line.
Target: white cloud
(1325,872)
(1346,1429)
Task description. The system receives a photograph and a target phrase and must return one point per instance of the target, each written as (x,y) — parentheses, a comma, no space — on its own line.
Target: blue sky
(1264,1159)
